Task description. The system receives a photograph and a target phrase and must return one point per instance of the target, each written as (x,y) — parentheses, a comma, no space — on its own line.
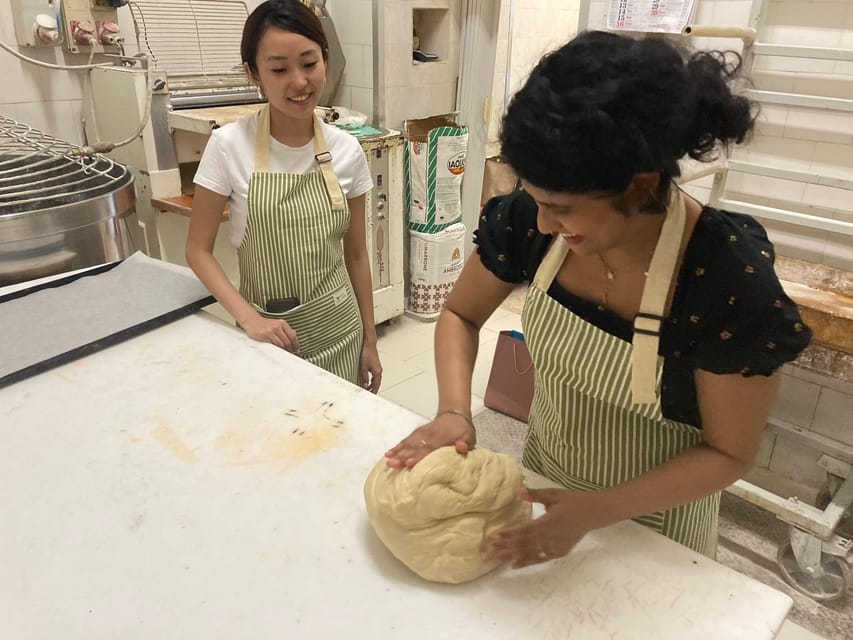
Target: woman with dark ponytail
(657,325)
(295,188)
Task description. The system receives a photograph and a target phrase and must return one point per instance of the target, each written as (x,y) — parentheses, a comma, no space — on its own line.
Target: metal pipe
(746,34)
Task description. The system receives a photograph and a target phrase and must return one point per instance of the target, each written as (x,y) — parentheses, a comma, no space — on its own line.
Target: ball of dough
(437,516)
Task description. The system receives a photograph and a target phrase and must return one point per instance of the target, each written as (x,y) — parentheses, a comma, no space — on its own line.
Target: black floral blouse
(729,313)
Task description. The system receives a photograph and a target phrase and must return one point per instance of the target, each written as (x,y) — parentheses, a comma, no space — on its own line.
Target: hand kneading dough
(437,516)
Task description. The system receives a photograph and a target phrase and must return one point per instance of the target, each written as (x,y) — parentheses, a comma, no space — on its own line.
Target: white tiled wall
(353,21)
(788,137)
(794,137)
(49,99)
(538,26)
(45,99)
(815,403)
(412,90)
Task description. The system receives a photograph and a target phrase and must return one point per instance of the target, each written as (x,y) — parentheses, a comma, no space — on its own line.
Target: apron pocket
(321,322)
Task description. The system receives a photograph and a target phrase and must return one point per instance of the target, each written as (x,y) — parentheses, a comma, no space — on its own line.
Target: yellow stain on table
(263,446)
(169,439)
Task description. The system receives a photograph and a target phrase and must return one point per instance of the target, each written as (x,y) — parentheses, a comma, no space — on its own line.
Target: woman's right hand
(271,330)
(445,430)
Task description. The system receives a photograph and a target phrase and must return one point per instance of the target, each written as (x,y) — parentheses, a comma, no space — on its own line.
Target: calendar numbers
(666,16)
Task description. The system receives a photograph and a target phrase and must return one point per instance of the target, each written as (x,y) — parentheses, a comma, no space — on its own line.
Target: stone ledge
(827,362)
(824,296)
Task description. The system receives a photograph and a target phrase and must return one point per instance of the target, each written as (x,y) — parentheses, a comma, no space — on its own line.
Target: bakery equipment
(197,85)
(58,211)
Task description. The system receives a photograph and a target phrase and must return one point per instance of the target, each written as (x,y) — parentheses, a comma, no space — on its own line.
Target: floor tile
(418,394)
(395,371)
(425,361)
(408,361)
(503,320)
(423,327)
(791,631)
(400,341)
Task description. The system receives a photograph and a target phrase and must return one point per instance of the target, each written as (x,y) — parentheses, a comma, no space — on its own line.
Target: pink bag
(510,388)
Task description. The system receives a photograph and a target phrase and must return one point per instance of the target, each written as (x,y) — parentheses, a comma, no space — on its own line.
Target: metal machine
(58,211)
(195,84)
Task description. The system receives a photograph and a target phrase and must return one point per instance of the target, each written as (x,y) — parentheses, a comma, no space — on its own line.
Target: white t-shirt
(228,162)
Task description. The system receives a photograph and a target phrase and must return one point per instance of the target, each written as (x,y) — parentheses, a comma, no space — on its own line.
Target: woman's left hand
(370,368)
(552,535)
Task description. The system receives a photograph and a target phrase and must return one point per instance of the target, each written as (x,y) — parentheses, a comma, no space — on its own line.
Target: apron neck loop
(321,156)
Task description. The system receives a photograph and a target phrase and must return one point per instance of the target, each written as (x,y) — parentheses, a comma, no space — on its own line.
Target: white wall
(45,99)
(786,137)
(538,26)
(799,138)
(407,90)
(353,21)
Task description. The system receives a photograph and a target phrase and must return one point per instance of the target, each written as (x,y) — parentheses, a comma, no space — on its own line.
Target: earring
(261,93)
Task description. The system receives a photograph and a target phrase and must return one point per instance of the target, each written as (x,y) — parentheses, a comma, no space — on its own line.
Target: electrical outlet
(35,23)
(90,23)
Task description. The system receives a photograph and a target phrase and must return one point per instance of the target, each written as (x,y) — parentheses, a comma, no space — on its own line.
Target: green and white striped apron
(587,430)
(293,247)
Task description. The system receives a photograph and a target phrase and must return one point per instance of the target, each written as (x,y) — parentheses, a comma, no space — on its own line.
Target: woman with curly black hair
(657,325)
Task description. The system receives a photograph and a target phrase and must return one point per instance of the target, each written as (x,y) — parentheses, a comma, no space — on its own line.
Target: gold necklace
(610,274)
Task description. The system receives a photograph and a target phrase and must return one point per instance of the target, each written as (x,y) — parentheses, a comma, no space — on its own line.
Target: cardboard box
(498,179)
(436,148)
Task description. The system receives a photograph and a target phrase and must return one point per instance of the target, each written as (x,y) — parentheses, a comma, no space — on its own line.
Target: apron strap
(262,141)
(551,263)
(647,324)
(324,161)
(321,156)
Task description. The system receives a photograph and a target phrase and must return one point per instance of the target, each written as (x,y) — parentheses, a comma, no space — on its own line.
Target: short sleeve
(750,326)
(348,160)
(362,182)
(212,172)
(508,242)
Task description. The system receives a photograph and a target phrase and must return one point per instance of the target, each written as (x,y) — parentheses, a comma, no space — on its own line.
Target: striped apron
(293,247)
(588,427)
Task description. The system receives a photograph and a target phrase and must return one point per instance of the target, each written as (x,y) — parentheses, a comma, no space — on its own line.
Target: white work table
(193,484)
